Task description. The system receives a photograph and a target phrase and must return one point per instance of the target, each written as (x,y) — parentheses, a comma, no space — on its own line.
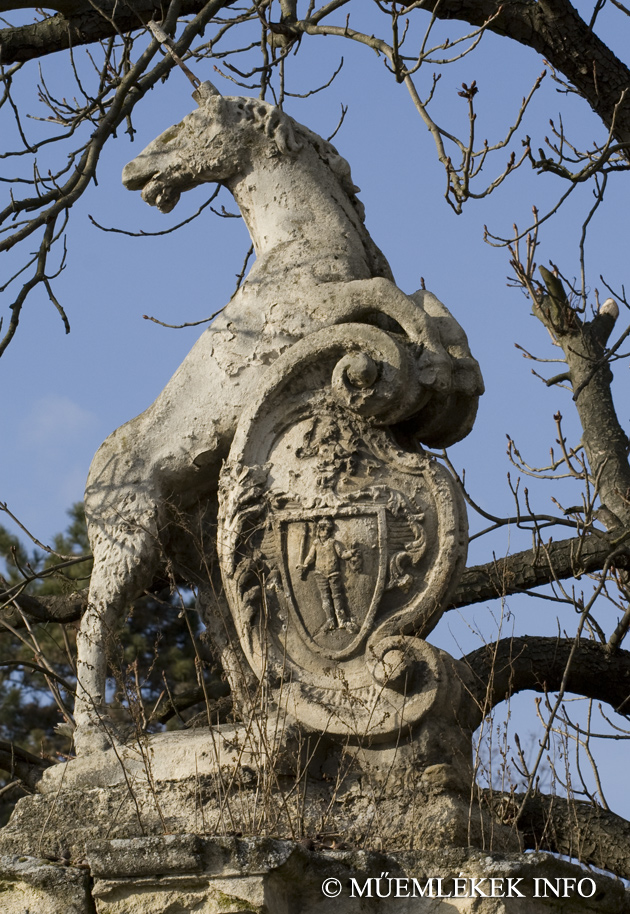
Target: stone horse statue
(316,266)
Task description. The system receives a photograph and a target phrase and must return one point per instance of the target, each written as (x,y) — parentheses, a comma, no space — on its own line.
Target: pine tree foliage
(161,672)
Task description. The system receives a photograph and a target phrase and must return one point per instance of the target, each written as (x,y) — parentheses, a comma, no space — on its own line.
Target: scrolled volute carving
(379,384)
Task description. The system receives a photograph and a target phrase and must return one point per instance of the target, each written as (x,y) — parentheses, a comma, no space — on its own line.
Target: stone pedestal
(185,874)
(271,779)
(135,830)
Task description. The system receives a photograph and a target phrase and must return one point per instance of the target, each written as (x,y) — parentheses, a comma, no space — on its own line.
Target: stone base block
(233,781)
(193,875)
(30,885)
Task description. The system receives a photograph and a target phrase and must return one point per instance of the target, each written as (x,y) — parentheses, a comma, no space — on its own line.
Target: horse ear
(204,92)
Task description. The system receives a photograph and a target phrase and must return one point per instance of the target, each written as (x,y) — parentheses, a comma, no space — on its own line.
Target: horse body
(316,265)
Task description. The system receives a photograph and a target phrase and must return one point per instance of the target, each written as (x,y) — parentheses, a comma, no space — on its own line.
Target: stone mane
(339,166)
(290,136)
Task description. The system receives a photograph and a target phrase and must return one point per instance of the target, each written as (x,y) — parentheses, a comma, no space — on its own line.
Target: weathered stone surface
(137,856)
(272,877)
(382,798)
(30,885)
(266,777)
(267,876)
(336,542)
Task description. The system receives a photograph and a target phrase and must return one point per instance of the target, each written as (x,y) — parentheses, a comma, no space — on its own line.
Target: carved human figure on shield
(326,555)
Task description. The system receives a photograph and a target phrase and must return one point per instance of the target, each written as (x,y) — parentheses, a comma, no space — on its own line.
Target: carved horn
(205,91)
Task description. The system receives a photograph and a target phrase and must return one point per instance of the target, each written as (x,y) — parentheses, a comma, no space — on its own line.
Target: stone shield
(339,546)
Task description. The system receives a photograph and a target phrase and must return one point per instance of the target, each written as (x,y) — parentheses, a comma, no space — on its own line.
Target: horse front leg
(126,558)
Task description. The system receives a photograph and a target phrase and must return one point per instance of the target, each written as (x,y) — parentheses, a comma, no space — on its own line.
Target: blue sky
(69,392)
(64,394)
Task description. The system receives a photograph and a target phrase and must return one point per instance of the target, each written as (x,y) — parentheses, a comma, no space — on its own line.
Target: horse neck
(299,216)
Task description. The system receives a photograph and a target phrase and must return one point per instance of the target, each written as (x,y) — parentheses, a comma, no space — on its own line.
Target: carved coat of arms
(339,547)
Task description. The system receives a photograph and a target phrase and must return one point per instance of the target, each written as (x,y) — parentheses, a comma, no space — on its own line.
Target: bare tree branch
(522,571)
(498,670)
(568,826)
(81,23)
(556,31)
(218,692)
(22,764)
(501,577)
(61,608)
(584,346)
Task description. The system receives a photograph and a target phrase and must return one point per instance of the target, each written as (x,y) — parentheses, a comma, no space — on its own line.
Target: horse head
(216,142)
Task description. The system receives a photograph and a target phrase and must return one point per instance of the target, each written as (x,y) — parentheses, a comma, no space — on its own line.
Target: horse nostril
(136,174)
(130,176)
